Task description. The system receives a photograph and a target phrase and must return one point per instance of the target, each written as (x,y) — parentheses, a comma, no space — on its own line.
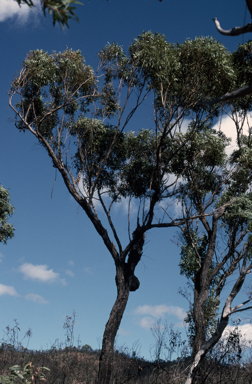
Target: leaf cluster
(130,169)
(28,375)
(61,10)
(6,210)
(241,59)
(52,84)
(201,161)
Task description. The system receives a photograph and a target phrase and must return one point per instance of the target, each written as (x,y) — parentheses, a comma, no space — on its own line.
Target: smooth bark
(233,31)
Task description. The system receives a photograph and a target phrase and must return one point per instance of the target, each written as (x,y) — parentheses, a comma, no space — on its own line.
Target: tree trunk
(200,297)
(126,282)
(207,346)
(112,326)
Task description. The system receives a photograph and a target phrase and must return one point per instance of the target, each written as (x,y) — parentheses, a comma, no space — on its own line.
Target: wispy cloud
(158,311)
(40,273)
(10,9)
(149,314)
(123,332)
(88,270)
(7,290)
(1,257)
(147,322)
(69,273)
(71,263)
(37,298)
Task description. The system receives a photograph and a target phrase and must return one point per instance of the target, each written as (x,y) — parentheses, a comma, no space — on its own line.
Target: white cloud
(1,257)
(37,298)
(151,313)
(10,9)
(245,331)
(69,273)
(227,126)
(158,311)
(71,263)
(7,290)
(88,270)
(38,272)
(123,332)
(147,322)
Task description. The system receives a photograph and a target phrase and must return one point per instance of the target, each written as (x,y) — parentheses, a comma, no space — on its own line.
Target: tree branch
(233,31)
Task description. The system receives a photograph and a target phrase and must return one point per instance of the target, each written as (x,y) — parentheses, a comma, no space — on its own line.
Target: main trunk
(126,281)
(200,297)
(200,327)
(112,326)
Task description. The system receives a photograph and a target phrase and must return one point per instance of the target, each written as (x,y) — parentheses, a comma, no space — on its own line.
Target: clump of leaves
(29,375)
(61,10)
(6,209)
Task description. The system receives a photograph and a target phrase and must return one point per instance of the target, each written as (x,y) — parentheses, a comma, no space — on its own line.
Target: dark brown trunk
(126,281)
(112,326)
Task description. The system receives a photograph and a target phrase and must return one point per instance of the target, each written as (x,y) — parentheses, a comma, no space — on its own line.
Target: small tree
(6,210)
(80,117)
(218,246)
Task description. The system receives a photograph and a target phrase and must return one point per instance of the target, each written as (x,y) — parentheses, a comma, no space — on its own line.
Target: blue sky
(56,263)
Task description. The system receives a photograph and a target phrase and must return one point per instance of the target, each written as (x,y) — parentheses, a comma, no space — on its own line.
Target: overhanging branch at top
(233,31)
(243,91)
(247,89)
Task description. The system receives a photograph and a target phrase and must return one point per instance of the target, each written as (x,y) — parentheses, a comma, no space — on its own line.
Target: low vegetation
(64,363)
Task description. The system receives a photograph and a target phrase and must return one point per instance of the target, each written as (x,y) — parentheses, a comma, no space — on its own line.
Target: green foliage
(61,10)
(28,375)
(194,70)
(212,64)
(130,168)
(53,82)
(94,140)
(61,97)
(6,210)
(193,251)
(243,69)
(200,160)
(212,179)
(155,57)
(140,174)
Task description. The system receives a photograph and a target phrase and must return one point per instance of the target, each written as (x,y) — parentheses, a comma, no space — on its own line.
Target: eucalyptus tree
(216,246)
(84,120)
(6,210)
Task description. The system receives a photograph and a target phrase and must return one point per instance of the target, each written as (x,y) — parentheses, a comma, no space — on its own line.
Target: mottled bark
(112,326)
(201,288)
(126,282)
(200,298)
